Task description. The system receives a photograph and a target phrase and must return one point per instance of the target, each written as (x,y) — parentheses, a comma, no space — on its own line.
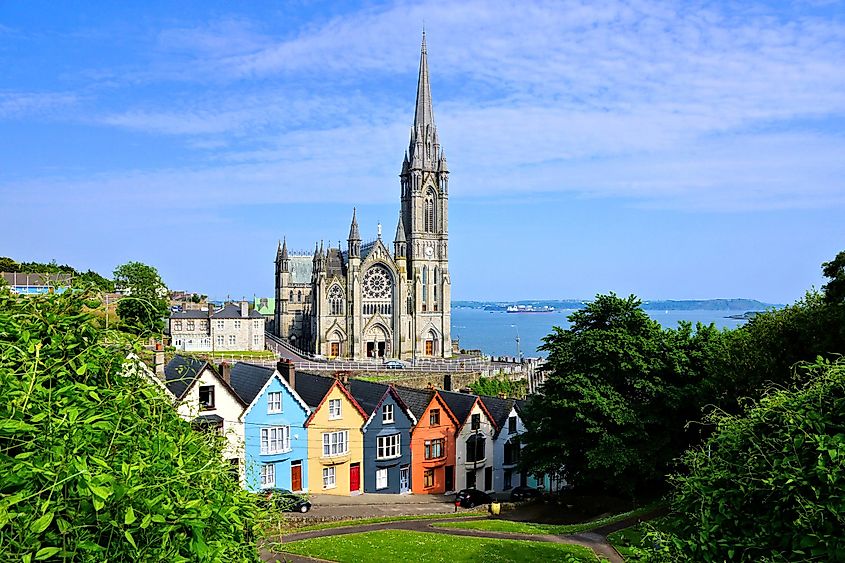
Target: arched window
(291,296)
(425,288)
(299,296)
(428,212)
(436,288)
(336,300)
(377,291)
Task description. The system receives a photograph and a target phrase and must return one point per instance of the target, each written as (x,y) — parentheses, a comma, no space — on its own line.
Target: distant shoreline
(738,304)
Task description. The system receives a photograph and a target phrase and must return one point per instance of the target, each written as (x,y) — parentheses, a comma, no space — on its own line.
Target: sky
(671,150)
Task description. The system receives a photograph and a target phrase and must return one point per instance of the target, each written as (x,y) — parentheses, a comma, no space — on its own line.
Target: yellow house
(335,441)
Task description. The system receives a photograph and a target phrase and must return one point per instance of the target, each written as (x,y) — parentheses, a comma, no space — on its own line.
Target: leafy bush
(95,464)
(770,485)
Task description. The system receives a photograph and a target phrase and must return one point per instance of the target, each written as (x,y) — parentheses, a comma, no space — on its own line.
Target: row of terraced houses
(311,433)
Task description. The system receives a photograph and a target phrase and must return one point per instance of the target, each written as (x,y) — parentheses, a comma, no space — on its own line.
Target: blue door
(404,479)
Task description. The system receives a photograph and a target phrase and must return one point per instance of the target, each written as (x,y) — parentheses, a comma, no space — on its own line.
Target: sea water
(495,332)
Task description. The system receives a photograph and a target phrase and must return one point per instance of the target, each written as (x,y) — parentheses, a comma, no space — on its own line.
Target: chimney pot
(158,361)
(287,370)
(226,372)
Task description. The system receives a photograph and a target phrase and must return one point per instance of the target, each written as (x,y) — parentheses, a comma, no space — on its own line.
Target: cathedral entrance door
(335,351)
(429,347)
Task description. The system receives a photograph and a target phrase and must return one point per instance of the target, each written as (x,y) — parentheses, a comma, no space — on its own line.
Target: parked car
(470,498)
(286,500)
(394,364)
(524,493)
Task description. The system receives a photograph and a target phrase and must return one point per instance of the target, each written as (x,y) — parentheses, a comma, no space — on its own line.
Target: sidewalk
(374,505)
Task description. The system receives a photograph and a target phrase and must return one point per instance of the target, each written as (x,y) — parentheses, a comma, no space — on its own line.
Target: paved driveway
(372,505)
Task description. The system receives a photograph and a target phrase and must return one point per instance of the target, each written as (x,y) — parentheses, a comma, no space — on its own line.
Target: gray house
(387,437)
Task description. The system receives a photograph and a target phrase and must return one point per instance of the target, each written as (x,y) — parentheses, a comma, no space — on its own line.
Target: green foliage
(95,463)
(834,290)
(80,280)
(769,485)
(143,310)
(612,411)
(494,386)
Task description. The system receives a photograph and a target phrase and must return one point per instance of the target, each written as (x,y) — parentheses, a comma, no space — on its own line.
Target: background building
(234,327)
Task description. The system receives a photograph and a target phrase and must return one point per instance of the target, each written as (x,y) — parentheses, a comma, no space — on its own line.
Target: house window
(206,397)
(258,325)
(388,447)
(511,425)
(275,440)
(177,325)
(177,342)
(508,479)
(328,478)
(334,409)
(387,414)
(204,325)
(475,448)
(434,417)
(190,325)
(231,340)
(476,421)
(335,443)
(268,475)
(381,478)
(428,478)
(274,402)
(256,339)
(220,340)
(220,325)
(434,448)
(511,451)
(237,325)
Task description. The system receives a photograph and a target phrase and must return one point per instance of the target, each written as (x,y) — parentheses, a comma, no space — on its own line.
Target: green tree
(834,290)
(143,309)
(768,484)
(494,386)
(95,463)
(612,411)
(8,265)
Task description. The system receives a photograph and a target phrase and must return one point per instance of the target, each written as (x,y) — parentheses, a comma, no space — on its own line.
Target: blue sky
(672,150)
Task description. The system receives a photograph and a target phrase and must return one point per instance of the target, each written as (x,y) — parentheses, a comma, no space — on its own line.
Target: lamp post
(518,351)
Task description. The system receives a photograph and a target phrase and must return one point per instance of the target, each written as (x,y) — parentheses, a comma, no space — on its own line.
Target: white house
(474,456)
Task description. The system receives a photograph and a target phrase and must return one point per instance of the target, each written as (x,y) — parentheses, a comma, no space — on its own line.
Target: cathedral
(371,300)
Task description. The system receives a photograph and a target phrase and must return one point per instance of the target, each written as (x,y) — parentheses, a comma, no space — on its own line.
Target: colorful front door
(355,477)
(296,476)
(429,347)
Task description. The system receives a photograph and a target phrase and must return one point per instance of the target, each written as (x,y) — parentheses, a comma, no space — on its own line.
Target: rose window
(377,284)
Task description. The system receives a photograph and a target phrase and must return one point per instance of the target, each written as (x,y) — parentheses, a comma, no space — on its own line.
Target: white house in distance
(207,399)
(474,461)
(233,327)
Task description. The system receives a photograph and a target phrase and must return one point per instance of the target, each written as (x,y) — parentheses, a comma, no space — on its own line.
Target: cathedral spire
(424,115)
(353,228)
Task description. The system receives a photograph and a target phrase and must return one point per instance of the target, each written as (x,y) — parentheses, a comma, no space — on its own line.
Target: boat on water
(529,309)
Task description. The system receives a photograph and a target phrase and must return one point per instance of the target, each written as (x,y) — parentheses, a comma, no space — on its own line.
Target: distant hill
(80,279)
(667,305)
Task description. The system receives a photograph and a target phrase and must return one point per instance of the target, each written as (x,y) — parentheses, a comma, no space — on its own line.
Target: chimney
(430,386)
(342,376)
(226,372)
(244,308)
(288,371)
(158,362)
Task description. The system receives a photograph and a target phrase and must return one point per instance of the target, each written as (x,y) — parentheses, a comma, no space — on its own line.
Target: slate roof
(233,311)
(416,399)
(459,403)
(300,268)
(499,409)
(335,265)
(312,388)
(247,380)
(367,393)
(190,314)
(180,373)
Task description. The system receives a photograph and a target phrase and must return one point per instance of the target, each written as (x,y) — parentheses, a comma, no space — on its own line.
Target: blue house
(275,439)
(387,437)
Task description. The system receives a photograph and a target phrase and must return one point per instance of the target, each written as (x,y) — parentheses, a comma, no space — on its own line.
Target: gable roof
(248,380)
(366,393)
(180,373)
(312,388)
(276,375)
(344,391)
(416,399)
(499,409)
(461,405)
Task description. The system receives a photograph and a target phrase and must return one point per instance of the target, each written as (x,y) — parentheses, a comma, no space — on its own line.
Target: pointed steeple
(353,228)
(285,249)
(424,115)
(400,230)
(283,256)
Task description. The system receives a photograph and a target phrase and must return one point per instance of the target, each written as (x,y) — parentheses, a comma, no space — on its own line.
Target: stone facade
(232,328)
(371,301)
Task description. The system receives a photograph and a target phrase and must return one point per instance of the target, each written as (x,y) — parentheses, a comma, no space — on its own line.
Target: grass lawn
(388,546)
(497,525)
(625,540)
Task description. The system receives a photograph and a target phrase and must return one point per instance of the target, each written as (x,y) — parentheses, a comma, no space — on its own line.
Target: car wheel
(304,508)
(470,504)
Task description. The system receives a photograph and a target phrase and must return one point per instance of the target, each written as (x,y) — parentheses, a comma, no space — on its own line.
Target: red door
(296,477)
(354,477)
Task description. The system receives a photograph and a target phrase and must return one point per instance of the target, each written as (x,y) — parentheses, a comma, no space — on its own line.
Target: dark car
(525,493)
(469,498)
(286,500)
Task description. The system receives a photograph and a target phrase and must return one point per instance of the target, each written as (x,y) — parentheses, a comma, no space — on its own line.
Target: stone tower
(424,216)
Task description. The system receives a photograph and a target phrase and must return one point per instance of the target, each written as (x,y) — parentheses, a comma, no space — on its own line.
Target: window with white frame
(220,325)
(256,339)
(388,446)
(268,475)
(231,340)
(381,478)
(328,478)
(335,443)
(274,402)
(258,324)
(190,325)
(237,325)
(177,325)
(220,340)
(387,414)
(204,325)
(275,440)
(334,409)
